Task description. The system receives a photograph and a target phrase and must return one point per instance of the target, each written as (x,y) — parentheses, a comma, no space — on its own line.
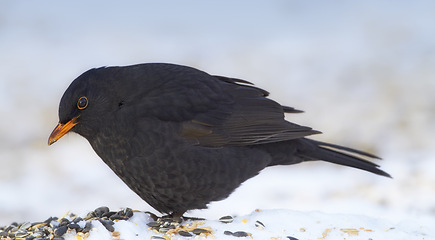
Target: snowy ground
(363,72)
(277,224)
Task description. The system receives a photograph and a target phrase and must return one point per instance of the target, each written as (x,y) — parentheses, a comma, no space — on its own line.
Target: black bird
(181,138)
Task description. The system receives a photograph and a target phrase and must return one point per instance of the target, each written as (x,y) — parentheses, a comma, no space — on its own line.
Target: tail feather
(343,156)
(345,149)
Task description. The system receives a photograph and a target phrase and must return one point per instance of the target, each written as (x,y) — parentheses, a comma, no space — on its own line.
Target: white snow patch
(278,224)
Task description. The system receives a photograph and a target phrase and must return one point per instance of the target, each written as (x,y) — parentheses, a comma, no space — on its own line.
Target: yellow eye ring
(82,103)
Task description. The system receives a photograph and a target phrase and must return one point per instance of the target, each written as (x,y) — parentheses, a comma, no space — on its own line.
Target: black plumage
(181,138)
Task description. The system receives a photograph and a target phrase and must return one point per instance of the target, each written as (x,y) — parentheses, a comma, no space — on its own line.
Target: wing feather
(248,119)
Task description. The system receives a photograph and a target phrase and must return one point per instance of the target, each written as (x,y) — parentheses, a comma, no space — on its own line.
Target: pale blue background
(364,72)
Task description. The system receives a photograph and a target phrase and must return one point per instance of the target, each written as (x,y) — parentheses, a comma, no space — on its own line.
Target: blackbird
(181,138)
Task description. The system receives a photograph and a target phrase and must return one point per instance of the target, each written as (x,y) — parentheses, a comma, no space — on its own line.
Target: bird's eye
(82,103)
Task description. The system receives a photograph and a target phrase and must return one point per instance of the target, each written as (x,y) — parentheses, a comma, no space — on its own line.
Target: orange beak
(62,129)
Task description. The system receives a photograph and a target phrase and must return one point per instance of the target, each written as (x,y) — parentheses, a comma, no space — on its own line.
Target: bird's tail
(316,150)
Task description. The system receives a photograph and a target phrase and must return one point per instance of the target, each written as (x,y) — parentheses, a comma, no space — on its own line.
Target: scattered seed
(128,212)
(29,237)
(116,216)
(184,233)
(164,230)
(157,238)
(153,224)
(50,219)
(74,226)
(37,234)
(116,235)
(99,212)
(45,231)
(259,225)
(87,228)
(350,231)
(226,219)
(108,214)
(72,215)
(77,219)
(107,224)
(25,225)
(59,231)
(152,215)
(238,234)
(175,224)
(63,221)
(166,224)
(198,231)
(241,234)
(55,228)
(38,225)
(292,238)
(90,215)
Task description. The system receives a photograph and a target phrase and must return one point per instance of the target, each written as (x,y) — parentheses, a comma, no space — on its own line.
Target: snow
(277,224)
(362,72)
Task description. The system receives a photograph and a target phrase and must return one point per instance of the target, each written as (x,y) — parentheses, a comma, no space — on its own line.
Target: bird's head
(83,106)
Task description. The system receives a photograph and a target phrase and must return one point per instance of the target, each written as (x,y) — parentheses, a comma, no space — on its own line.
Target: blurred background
(363,72)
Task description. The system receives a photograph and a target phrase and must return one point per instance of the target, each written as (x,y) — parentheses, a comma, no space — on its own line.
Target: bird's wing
(242,116)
